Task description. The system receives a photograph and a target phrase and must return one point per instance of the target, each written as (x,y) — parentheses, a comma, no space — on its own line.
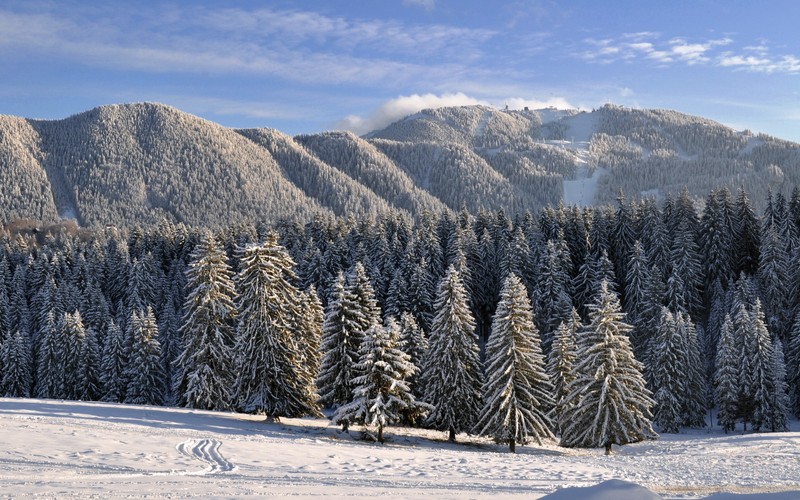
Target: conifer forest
(594,326)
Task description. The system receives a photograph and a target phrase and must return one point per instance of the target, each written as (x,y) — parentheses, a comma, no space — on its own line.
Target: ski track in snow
(480,129)
(207,451)
(57,449)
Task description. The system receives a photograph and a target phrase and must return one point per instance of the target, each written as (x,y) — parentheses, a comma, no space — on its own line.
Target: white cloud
(394,109)
(425,4)
(649,46)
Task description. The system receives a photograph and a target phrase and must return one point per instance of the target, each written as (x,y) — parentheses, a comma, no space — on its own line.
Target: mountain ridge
(135,164)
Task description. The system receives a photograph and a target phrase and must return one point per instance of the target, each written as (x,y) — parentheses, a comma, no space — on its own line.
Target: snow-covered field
(56,449)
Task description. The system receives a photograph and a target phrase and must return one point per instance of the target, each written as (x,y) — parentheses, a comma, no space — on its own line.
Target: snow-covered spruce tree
(668,374)
(636,297)
(382,395)
(451,372)
(726,377)
(308,331)
(271,380)
(778,418)
(769,411)
(89,371)
(340,348)
(143,372)
(517,392)
(773,277)
(608,401)
(693,397)
(745,343)
(204,369)
(413,342)
(113,362)
(553,304)
(561,362)
(351,311)
(50,361)
(16,377)
(72,339)
(793,366)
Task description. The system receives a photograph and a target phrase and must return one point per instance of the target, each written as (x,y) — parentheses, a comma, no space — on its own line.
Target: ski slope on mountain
(78,450)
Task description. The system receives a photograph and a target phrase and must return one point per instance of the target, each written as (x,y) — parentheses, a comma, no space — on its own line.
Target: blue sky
(318,65)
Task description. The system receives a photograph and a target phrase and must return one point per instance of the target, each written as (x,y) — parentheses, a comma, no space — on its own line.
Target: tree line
(596,325)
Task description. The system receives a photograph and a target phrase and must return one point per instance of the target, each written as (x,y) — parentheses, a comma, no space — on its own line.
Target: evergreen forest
(596,326)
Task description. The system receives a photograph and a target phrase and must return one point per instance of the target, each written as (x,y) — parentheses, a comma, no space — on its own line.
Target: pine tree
(561,362)
(382,395)
(553,304)
(746,345)
(777,420)
(517,391)
(769,401)
(413,342)
(50,361)
(608,401)
(270,378)
(113,365)
(143,372)
(793,366)
(669,375)
(451,372)
(693,397)
(89,371)
(343,332)
(204,374)
(16,377)
(726,377)
(308,332)
(72,339)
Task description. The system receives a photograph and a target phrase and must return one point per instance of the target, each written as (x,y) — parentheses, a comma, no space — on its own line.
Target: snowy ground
(68,449)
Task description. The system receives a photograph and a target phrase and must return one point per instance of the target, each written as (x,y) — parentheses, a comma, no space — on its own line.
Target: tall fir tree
(451,373)
(382,395)
(143,373)
(561,362)
(16,376)
(726,377)
(204,369)
(669,376)
(517,392)
(413,342)
(114,361)
(608,401)
(270,378)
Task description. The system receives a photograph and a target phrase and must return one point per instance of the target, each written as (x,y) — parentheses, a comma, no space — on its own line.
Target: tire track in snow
(207,451)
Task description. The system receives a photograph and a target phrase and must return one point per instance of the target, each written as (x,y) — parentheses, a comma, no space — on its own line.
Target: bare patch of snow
(583,189)
(480,129)
(752,143)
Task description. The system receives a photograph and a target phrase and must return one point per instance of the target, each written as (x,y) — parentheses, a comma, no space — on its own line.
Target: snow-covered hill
(57,449)
(141,163)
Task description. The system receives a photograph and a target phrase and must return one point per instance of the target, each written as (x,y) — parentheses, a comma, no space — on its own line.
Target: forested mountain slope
(140,163)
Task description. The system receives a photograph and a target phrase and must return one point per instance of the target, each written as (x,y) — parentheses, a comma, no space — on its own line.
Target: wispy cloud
(394,109)
(400,107)
(294,45)
(425,4)
(719,52)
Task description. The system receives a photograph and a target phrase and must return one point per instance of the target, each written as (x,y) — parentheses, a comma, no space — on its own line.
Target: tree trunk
(345,425)
(452,436)
(608,448)
(380,434)
(512,445)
